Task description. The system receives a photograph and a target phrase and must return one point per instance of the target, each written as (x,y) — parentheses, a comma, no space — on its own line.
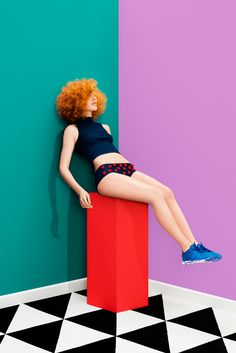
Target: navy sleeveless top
(93,139)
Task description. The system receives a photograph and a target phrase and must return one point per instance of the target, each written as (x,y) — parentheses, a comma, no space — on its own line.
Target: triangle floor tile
(107,345)
(175,308)
(73,335)
(78,305)
(13,345)
(26,317)
(231,337)
(154,308)
(216,346)
(124,346)
(131,320)
(6,315)
(56,305)
(230,345)
(101,320)
(203,320)
(183,337)
(226,321)
(154,336)
(42,336)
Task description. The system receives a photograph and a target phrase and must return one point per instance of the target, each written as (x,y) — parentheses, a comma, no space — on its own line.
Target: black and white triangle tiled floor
(66,323)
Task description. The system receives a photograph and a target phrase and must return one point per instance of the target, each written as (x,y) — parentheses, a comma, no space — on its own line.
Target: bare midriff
(111,157)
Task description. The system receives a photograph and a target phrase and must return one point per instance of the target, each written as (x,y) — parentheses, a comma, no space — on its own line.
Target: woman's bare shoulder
(71,131)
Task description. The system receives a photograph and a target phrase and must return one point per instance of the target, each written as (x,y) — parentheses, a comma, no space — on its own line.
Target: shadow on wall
(68,218)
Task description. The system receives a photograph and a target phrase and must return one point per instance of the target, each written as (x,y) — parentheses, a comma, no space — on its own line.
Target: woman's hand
(85,199)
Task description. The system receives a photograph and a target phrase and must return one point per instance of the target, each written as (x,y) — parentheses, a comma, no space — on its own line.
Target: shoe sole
(209,260)
(214,260)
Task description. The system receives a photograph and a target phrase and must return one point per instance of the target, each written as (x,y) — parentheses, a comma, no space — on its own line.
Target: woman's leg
(171,201)
(123,186)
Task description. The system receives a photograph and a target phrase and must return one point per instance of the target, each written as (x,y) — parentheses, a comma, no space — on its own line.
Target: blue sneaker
(194,255)
(214,255)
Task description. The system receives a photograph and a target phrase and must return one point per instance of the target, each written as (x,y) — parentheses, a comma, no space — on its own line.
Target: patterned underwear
(107,168)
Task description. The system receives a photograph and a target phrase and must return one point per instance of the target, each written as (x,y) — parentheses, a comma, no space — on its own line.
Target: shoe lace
(203,248)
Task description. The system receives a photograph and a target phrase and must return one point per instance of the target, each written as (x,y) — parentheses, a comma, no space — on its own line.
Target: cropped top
(93,139)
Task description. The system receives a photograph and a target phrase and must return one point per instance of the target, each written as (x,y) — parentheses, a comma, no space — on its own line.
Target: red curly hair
(71,103)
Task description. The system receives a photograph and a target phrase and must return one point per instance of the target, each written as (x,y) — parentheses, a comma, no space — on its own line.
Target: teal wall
(45,45)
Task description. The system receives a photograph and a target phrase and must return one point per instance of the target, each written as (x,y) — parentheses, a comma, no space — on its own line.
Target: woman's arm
(69,139)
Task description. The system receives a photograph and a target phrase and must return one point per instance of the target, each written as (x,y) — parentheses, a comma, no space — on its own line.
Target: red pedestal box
(117,253)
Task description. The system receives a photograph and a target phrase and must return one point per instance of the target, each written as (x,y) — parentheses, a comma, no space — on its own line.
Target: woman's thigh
(148,180)
(126,187)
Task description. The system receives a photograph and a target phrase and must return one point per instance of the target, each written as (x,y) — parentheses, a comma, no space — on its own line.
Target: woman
(79,104)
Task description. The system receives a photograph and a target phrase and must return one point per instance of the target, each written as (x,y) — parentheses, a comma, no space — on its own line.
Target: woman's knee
(157,194)
(163,193)
(168,193)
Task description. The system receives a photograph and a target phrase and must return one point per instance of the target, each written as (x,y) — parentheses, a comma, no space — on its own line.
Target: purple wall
(177,88)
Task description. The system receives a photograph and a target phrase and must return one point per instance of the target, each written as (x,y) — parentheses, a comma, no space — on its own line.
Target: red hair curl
(71,103)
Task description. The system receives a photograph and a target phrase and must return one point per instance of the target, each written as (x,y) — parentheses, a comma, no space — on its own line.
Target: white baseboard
(190,295)
(42,292)
(155,287)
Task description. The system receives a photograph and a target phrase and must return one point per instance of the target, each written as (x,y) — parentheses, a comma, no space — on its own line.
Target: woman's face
(92,103)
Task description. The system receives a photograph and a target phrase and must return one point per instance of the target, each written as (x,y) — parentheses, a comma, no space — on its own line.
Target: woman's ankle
(186,247)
